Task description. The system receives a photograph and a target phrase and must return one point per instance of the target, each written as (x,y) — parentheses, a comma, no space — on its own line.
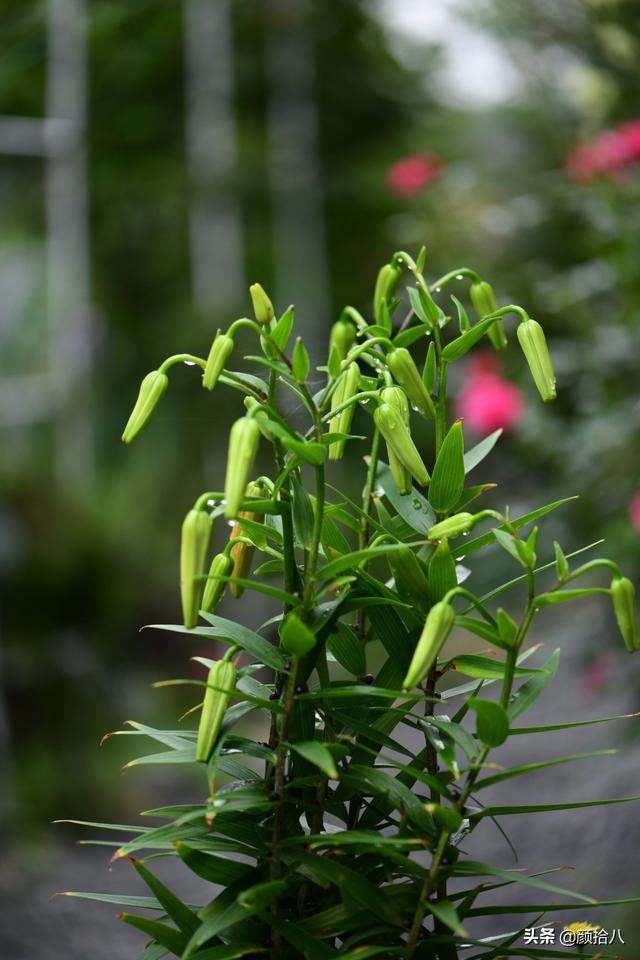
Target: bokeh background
(156,157)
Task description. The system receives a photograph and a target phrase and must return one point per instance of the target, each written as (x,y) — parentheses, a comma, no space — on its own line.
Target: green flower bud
(342,337)
(398,398)
(347,388)
(406,373)
(484,302)
(221,683)
(194,547)
(243,446)
(221,350)
(452,527)
(623,595)
(262,306)
(389,422)
(408,573)
(297,639)
(386,283)
(151,390)
(221,566)
(434,634)
(534,347)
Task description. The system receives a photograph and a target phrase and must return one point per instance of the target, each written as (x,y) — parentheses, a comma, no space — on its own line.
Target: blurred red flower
(408,176)
(487,401)
(634,511)
(608,154)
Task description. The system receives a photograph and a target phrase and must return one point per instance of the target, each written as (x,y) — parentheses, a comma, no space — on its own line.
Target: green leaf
(233,632)
(492,722)
(212,868)
(429,371)
(351,561)
(260,895)
(481,629)
(512,546)
(446,913)
(411,335)
(283,328)
(472,545)
(481,450)
(307,450)
(120,900)
(412,507)
(531,767)
(548,807)
(447,481)
(176,910)
(442,573)
(348,650)
(562,564)
(417,307)
(300,361)
(568,726)
(565,596)
(317,754)
(473,868)
(303,516)
(484,668)
(530,691)
(170,938)
(464,323)
(230,951)
(461,345)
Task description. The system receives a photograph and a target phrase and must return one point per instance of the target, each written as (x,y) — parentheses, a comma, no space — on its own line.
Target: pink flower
(408,176)
(608,154)
(634,511)
(488,402)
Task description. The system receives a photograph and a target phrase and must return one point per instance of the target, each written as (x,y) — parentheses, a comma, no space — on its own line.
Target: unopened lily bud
(221,683)
(194,547)
(534,346)
(243,446)
(386,283)
(398,398)
(406,373)
(484,302)
(262,306)
(347,388)
(623,595)
(408,573)
(389,422)
(434,634)
(241,554)
(342,337)
(221,350)
(151,390)
(297,639)
(452,527)
(221,566)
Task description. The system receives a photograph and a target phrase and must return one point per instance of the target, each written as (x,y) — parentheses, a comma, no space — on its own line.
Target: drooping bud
(398,398)
(243,446)
(406,373)
(484,302)
(386,283)
(221,350)
(452,527)
(342,337)
(409,576)
(347,388)
(534,346)
(242,553)
(297,639)
(221,566)
(434,634)
(151,390)
(194,547)
(262,306)
(389,422)
(623,595)
(221,683)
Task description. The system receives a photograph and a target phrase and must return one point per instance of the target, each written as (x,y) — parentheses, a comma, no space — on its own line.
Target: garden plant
(343,764)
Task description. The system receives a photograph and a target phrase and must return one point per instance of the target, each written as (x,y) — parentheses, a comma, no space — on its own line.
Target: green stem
(187,358)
